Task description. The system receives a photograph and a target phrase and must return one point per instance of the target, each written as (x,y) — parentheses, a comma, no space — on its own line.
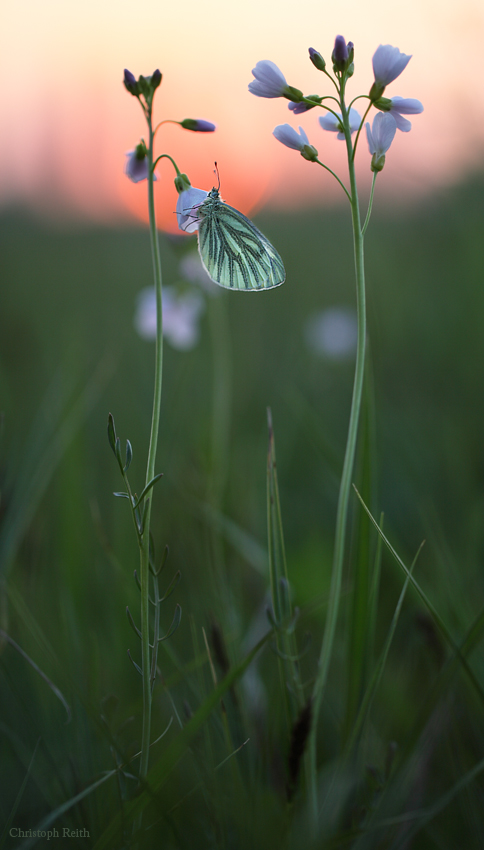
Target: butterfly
(233,251)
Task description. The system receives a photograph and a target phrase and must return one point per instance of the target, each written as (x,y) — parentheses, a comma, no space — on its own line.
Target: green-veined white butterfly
(233,251)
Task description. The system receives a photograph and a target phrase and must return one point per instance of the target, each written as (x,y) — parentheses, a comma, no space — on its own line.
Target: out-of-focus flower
(192,269)
(388,64)
(198,125)
(335,124)
(380,136)
(333,333)
(289,137)
(181,315)
(399,106)
(136,165)
(187,208)
(269,80)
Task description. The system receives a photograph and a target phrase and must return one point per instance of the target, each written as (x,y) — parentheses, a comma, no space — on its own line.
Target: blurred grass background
(70,354)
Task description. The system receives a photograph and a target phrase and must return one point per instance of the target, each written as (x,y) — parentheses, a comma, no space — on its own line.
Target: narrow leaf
(433,612)
(111,433)
(129,455)
(135,665)
(174,623)
(148,488)
(171,587)
(117,452)
(132,622)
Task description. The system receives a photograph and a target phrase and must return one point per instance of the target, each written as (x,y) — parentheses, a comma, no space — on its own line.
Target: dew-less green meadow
(401,737)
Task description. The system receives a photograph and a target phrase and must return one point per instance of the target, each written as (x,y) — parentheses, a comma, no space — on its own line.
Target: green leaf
(378,671)
(174,623)
(433,612)
(171,587)
(122,495)
(117,452)
(129,455)
(111,433)
(147,489)
(132,622)
(135,665)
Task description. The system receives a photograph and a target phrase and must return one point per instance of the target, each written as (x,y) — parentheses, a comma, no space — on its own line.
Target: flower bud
(342,56)
(339,55)
(182,183)
(198,125)
(317,59)
(130,83)
(144,86)
(155,80)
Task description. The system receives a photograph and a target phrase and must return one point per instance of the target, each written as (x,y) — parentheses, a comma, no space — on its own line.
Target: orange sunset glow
(68,121)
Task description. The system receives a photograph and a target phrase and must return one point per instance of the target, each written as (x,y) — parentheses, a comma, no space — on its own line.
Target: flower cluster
(388,64)
(137,166)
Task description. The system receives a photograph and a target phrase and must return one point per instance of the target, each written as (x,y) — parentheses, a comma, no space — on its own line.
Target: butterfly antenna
(218,175)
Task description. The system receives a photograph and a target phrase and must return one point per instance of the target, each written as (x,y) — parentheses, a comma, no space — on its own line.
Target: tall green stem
(150,470)
(345,486)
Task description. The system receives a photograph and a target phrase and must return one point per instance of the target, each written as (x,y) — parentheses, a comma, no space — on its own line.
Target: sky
(67,120)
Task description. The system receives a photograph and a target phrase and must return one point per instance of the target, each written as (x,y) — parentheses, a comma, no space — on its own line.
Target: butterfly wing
(235,253)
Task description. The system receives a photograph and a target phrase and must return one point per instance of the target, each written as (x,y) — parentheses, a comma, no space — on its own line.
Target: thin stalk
(150,470)
(360,129)
(345,485)
(345,190)
(370,203)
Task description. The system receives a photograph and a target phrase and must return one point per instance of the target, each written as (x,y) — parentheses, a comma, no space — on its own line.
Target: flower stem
(345,485)
(345,190)
(370,203)
(150,471)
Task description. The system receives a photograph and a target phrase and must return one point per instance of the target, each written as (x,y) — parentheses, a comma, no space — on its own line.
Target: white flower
(187,208)
(380,137)
(404,106)
(269,80)
(382,133)
(335,124)
(181,313)
(388,64)
(290,137)
(333,333)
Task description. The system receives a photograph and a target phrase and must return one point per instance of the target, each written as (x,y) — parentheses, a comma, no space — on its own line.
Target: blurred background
(75,344)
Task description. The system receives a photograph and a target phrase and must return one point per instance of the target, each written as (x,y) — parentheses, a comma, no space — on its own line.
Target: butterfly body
(234,252)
